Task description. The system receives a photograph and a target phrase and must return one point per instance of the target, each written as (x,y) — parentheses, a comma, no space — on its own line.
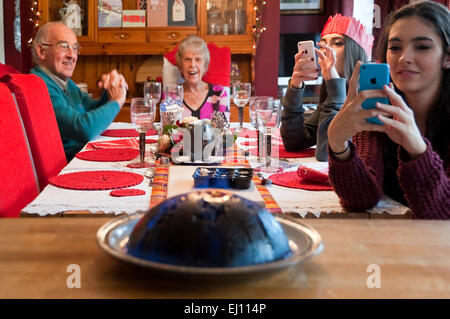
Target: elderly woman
(201,99)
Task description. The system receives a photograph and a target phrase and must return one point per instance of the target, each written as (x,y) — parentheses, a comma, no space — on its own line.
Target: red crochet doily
(282,153)
(96,180)
(109,155)
(127,192)
(126,133)
(292,180)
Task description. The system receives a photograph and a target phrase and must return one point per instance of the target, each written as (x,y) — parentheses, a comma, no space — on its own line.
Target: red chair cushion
(18,186)
(219,67)
(40,124)
(7,69)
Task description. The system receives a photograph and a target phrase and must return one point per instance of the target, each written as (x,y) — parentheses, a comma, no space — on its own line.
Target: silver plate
(304,241)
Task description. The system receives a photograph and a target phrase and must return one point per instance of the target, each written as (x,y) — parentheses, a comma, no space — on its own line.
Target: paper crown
(351,28)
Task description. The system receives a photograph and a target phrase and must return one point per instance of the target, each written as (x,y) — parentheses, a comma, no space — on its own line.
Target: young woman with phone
(408,157)
(343,42)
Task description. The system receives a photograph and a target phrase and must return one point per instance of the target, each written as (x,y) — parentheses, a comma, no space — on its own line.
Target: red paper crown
(351,28)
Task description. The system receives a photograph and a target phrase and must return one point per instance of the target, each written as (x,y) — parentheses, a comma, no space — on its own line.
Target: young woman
(343,42)
(200,98)
(408,157)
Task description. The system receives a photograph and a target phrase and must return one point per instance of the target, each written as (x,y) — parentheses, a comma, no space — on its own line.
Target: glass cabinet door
(225,20)
(76,14)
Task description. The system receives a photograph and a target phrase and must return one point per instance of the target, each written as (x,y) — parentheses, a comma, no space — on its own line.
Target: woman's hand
(304,70)
(327,61)
(398,119)
(351,119)
(399,124)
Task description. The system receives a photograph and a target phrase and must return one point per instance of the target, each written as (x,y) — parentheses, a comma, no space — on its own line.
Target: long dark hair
(438,121)
(352,54)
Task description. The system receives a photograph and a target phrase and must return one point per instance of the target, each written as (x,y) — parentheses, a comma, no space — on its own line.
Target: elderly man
(80,118)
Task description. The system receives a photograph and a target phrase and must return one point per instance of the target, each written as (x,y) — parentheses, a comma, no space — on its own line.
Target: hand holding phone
(309,51)
(373,76)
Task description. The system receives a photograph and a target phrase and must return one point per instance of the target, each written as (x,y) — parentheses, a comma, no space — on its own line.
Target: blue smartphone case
(372,76)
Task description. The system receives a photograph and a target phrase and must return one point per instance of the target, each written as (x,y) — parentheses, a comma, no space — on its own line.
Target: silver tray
(305,242)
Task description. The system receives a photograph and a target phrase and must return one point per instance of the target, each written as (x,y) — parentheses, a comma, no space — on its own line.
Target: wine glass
(152,91)
(241,95)
(268,116)
(141,112)
(254,122)
(174,92)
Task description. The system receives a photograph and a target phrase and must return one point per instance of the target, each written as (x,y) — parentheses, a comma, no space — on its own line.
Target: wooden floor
(124,114)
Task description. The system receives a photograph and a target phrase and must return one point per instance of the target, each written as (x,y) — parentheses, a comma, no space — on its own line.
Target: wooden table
(413,256)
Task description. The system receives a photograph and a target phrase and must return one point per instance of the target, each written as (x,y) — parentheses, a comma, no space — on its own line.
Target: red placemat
(280,151)
(127,192)
(96,180)
(122,143)
(126,132)
(109,155)
(292,180)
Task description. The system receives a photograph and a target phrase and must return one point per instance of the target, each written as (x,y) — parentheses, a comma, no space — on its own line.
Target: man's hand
(116,86)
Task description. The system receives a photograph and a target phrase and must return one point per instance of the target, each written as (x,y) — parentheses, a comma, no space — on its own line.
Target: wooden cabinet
(126,49)
(233,27)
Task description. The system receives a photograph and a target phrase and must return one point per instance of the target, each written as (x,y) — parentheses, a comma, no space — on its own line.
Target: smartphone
(308,47)
(372,76)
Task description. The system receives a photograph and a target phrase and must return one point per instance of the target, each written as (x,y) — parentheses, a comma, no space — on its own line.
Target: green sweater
(79,117)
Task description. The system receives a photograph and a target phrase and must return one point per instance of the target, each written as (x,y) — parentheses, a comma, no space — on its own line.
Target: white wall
(2,45)
(364,12)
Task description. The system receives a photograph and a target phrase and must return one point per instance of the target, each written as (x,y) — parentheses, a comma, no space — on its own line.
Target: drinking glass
(152,92)
(141,112)
(174,92)
(268,117)
(254,122)
(241,95)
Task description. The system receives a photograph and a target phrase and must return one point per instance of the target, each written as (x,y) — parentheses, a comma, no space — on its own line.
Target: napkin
(313,175)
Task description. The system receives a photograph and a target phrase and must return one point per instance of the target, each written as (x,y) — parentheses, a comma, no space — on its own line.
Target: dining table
(361,258)
(378,253)
(56,201)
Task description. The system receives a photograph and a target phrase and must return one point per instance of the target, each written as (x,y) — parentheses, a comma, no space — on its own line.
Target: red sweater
(361,181)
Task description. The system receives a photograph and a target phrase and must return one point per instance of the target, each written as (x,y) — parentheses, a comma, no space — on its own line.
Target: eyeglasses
(64,47)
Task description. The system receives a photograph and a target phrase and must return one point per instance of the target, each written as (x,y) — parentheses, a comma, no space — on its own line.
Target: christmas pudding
(210,228)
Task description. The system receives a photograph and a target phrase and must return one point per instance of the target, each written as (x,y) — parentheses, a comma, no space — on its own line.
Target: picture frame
(291,7)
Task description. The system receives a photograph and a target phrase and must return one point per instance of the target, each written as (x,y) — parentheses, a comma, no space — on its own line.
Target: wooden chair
(18,186)
(40,124)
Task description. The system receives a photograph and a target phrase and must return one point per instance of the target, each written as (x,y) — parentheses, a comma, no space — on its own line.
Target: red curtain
(21,60)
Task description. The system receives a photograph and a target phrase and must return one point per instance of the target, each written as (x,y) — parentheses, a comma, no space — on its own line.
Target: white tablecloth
(53,200)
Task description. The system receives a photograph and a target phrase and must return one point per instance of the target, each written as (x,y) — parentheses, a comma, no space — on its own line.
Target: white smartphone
(308,48)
